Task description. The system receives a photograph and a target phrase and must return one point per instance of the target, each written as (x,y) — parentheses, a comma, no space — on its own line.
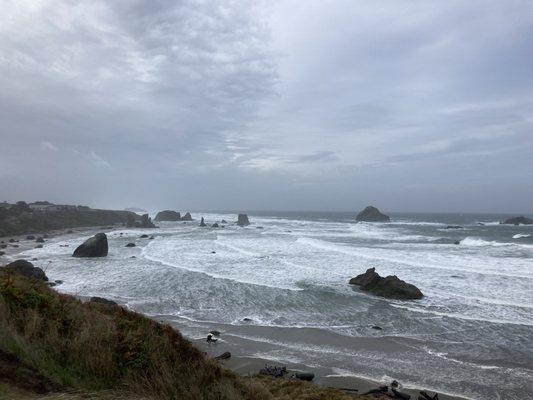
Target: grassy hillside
(53,343)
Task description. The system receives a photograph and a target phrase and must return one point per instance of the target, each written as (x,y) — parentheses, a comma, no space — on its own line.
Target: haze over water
(471,335)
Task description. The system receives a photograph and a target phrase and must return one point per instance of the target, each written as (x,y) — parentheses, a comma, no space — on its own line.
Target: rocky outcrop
(391,286)
(518,221)
(372,214)
(187,217)
(168,215)
(26,268)
(103,302)
(144,222)
(131,245)
(202,222)
(215,225)
(242,220)
(95,246)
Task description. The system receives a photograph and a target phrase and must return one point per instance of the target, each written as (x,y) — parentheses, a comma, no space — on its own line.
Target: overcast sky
(285,105)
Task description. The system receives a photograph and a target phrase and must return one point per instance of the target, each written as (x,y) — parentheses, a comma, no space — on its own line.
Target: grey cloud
(328,104)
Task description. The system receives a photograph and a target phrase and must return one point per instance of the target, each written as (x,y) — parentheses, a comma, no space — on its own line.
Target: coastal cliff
(21,218)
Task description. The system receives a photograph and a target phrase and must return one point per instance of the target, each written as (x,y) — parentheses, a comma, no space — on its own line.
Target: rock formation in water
(391,286)
(372,214)
(518,221)
(242,220)
(202,222)
(187,217)
(168,215)
(26,268)
(95,246)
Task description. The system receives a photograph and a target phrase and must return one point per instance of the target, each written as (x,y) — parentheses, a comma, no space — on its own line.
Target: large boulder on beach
(242,220)
(187,217)
(372,214)
(95,246)
(518,221)
(390,287)
(26,268)
(168,215)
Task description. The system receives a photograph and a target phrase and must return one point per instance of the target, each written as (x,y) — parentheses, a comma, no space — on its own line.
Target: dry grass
(104,351)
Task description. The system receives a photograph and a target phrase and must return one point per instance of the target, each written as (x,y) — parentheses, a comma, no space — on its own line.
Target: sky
(268,105)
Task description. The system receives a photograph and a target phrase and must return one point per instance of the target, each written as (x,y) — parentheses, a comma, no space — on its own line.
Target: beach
(279,295)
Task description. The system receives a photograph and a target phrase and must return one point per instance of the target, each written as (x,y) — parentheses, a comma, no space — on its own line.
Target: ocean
(278,290)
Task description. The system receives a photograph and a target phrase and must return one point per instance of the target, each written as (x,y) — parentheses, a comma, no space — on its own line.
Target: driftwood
(381,389)
(425,396)
(223,356)
(305,376)
(400,395)
(276,372)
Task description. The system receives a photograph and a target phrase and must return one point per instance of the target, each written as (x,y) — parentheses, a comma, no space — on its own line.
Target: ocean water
(471,335)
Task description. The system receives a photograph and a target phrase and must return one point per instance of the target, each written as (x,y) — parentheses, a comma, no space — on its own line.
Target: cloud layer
(248,105)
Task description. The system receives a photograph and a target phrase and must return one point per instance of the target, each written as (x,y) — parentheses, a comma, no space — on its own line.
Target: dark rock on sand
(151,237)
(2,253)
(26,268)
(187,217)
(168,215)
(30,237)
(305,376)
(130,245)
(215,225)
(103,302)
(12,240)
(144,236)
(39,246)
(3,246)
(95,246)
(377,328)
(518,221)
(457,242)
(39,240)
(242,220)
(223,221)
(202,222)
(246,320)
(390,287)
(372,214)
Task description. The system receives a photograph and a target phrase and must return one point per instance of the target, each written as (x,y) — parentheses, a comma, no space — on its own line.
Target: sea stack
(93,247)
(202,222)
(518,221)
(187,217)
(168,215)
(372,214)
(390,287)
(242,220)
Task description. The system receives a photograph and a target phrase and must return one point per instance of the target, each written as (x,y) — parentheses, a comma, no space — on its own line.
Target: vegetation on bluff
(55,343)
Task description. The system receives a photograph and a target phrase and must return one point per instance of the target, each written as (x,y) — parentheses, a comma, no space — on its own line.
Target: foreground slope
(54,343)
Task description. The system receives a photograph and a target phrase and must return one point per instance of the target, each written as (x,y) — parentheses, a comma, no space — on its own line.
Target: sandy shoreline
(243,360)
